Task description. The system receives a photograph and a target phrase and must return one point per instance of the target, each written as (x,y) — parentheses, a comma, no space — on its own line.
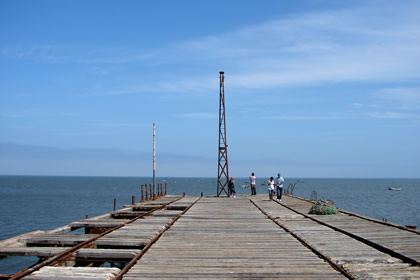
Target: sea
(29,203)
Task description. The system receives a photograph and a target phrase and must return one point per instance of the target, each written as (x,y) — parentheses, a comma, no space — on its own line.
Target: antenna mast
(223,170)
(154,157)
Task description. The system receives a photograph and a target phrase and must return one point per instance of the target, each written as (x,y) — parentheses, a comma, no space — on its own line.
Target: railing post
(151,193)
(147,195)
(165,188)
(133,199)
(142,196)
(115,204)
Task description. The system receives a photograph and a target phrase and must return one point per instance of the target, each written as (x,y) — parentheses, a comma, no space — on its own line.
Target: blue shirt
(280,182)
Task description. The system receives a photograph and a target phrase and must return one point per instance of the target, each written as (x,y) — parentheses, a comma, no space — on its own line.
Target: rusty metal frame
(63,256)
(222,167)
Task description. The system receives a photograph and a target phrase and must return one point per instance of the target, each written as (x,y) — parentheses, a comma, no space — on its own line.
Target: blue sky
(313,88)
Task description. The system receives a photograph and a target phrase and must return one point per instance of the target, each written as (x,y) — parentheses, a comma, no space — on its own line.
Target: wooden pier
(248,237)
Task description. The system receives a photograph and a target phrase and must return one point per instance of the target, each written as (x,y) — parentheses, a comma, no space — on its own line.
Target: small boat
(394,188)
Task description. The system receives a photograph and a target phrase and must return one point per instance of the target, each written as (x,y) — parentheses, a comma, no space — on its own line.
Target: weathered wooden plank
(32,251)
(17,240)
(81,273)
(108,223)
(107,254)
(56,239)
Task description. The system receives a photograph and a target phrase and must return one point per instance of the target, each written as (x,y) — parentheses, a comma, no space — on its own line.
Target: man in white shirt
(252,182)
(279,185)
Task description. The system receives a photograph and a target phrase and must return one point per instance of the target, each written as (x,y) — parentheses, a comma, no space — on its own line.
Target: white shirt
(271,185)
(252,180)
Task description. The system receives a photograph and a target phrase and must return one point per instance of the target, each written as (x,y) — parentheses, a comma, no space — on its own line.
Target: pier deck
(248,237)
(228,238)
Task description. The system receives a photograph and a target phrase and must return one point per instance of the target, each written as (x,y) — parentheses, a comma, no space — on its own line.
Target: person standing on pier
(252,182)
(231,186)
(270,185)
(279,185)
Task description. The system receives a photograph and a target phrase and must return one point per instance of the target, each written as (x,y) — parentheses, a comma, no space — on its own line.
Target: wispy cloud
(332,46)
(194,85)
(356,105)
(199,115)
(303,118)
(369,43)
(324,47)
(85,133)
(76,54)
(35,52)
(407,98)
(393,115)
(42,152)
(111,124)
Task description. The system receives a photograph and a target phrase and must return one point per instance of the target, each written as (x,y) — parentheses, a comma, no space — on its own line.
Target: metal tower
(223,170)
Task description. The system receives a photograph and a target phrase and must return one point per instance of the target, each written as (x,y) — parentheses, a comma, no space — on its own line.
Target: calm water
(29,203)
